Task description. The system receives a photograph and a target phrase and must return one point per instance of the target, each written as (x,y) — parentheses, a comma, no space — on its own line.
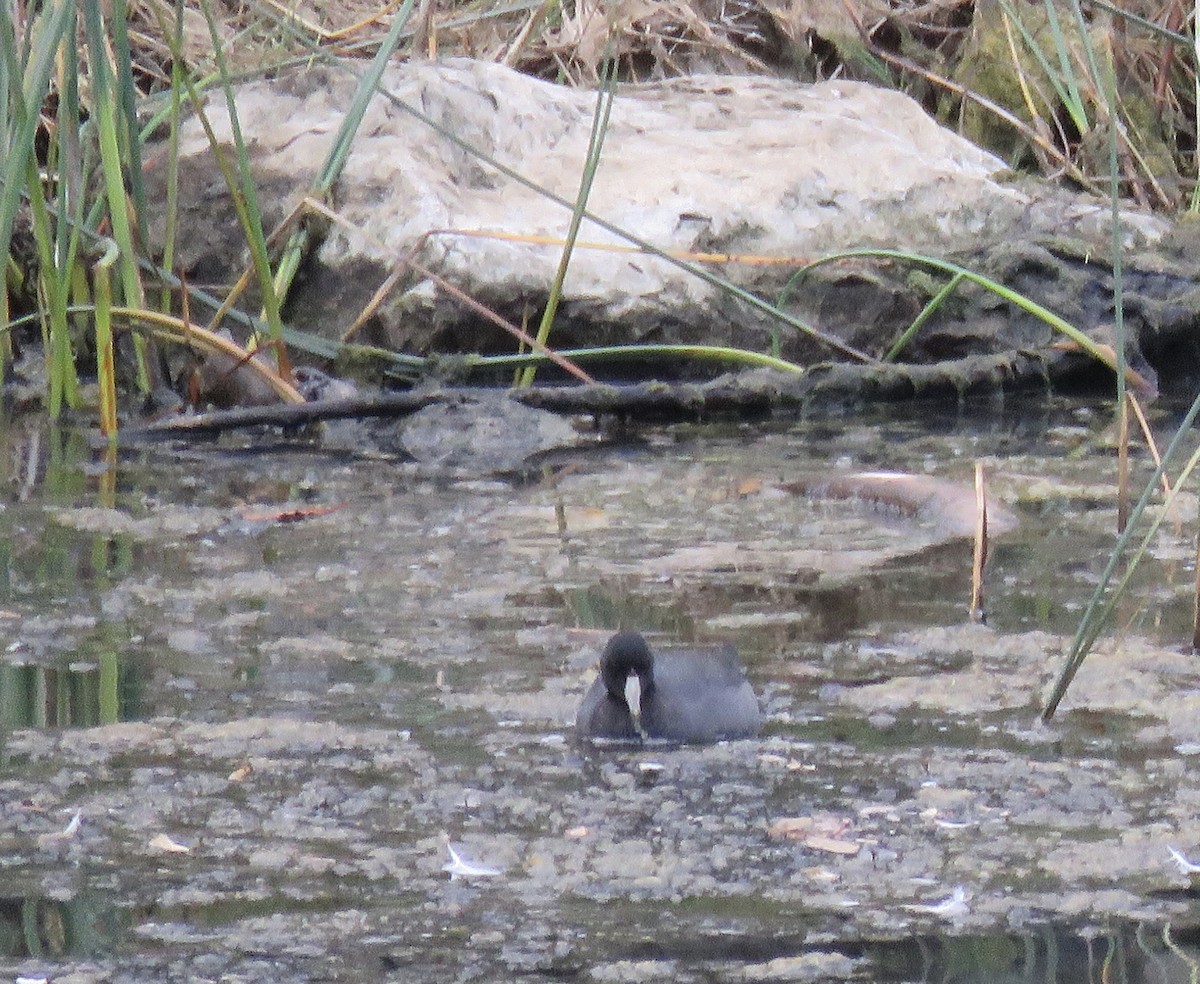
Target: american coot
(686,695)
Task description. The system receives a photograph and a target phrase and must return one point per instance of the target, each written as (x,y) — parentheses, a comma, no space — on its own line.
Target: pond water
(251,689)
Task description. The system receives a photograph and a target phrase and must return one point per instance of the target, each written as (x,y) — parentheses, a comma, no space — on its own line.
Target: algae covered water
(286,712)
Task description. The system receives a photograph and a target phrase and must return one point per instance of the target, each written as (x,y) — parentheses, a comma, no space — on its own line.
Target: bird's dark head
(625,654)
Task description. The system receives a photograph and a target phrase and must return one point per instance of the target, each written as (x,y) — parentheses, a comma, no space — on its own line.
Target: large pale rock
(726,165)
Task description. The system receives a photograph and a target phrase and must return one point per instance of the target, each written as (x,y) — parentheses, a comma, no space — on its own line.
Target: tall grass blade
(1098,611)
(1072,100)
(1123,478)
(1194,205)
(1081,25)
(128,138)
(52,238)
(56,338)
(67,165)
(1059,324)
(925,314)
(298,241)
(703,353)
(72,160)
(604,100)
(27,80)
(977,611)
(105,367)
(174,34)
(1196,585)
(1061,80)
(1095,618)
(243,193)
(104,102)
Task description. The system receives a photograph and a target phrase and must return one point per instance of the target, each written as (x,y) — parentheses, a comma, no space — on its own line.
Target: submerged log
(751,394)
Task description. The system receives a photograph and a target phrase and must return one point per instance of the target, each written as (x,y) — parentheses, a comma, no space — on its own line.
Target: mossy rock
(1024,87)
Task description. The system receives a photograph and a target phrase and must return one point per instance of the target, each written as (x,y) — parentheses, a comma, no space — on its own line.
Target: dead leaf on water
(165,845)
(288,514)
(67,833)
(822,832)
(831,845)
(780,762)
(790,828)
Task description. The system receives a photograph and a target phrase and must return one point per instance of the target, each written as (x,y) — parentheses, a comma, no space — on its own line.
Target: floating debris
(65,834)
(953,907)
(822,832)
(163,844)
(948,824)
(462,867)
(1185,866)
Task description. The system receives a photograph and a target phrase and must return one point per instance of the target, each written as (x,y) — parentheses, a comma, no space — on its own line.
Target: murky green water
(270,680)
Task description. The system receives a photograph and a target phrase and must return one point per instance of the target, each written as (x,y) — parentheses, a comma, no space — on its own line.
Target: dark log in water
(750,394)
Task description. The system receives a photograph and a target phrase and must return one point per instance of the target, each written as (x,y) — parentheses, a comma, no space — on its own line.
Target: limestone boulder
(767,170)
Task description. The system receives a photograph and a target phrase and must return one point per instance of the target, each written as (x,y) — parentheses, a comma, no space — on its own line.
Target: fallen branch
(754,393)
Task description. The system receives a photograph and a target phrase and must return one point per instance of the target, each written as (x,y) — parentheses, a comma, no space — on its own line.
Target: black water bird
(686,695)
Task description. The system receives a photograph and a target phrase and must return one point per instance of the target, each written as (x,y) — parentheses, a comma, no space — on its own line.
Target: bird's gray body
(686,695)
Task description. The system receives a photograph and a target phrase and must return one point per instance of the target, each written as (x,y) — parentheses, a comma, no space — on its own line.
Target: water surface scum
(294,716)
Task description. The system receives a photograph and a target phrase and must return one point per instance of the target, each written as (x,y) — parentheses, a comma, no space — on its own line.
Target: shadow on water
(1133,953)
(41,928)
(1127,953)
(78,693)
(98,678)
(64,667)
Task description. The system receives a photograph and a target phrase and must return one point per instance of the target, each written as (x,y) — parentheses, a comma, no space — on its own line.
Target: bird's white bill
(633,696)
